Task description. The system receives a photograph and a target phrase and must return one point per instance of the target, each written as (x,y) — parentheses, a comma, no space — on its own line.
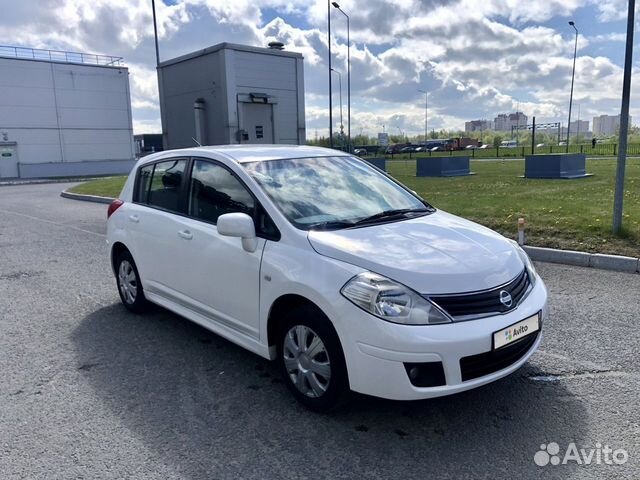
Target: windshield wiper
(331,224)
(386,214)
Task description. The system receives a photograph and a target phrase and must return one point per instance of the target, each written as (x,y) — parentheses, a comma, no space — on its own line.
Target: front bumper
(376,351)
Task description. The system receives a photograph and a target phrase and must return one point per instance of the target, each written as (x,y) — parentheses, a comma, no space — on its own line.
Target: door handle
(186,234)
(134,218)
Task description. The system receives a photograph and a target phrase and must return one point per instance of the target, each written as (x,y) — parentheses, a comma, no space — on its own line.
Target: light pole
(573,74)
(330,93)
(426,113)
(155,32)
(340,87)
(624,121)
(336,5)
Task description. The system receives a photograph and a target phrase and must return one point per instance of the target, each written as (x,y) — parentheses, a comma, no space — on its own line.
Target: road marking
(51,222)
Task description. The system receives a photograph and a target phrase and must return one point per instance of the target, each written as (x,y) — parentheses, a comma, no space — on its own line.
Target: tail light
(113,206)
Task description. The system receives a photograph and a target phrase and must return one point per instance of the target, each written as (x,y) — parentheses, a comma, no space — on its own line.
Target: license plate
(516,331)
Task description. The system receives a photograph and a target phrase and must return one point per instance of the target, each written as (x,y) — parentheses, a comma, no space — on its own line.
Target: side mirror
(239,225)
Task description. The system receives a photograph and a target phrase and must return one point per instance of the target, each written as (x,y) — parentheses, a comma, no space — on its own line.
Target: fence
(601,149)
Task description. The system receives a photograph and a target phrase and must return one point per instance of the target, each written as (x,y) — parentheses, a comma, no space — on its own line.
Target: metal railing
(10,51)
(601,149)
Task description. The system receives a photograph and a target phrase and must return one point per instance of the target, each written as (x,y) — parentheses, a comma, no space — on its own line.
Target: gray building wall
(223,78)
(65,113)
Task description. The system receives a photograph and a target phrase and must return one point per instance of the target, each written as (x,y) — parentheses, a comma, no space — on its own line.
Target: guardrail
(9,51)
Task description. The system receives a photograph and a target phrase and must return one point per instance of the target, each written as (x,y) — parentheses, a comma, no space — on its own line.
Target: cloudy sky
(477,58)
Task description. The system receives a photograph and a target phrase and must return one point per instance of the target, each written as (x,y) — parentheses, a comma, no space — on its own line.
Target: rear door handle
(186,234)
(134,218)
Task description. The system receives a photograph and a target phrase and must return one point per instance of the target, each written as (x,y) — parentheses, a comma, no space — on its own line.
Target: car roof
(251,153)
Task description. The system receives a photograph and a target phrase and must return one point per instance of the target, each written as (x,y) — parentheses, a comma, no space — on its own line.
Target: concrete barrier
(561,165)
(380,163)
(452,166)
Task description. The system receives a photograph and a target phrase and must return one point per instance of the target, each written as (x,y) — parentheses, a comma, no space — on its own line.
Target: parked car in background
(273,248)
(484,146)
(360,151)
(540,145)
(508,144)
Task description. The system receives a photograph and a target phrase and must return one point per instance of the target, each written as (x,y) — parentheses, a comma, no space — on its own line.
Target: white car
(314,258)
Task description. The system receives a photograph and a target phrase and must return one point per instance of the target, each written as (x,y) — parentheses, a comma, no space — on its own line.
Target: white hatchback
(318,260)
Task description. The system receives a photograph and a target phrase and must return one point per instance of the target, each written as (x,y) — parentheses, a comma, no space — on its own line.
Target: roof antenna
(199,144)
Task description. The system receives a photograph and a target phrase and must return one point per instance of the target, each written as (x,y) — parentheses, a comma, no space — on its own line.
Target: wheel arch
(283,304)
(116,249)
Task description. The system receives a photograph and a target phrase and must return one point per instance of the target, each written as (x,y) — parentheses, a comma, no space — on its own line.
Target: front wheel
(312,360)
(129,285)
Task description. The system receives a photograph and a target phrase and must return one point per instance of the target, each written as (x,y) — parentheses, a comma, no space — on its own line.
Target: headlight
(528,264)
(391,301)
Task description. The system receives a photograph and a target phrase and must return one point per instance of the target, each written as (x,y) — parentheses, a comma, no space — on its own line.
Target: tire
(312,361)
(128,283)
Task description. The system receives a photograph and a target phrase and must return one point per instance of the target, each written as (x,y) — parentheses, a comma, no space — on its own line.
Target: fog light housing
(428,374)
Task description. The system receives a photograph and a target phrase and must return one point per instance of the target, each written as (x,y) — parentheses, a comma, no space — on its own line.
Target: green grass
(569,214)
(103,187)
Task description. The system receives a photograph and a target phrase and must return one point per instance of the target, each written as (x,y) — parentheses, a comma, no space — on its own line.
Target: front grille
(482,364)
(473,305)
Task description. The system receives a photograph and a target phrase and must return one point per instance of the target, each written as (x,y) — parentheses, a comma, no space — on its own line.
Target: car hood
(434,254)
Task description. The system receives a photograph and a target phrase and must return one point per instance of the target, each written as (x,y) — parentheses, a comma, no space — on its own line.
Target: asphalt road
(88,390)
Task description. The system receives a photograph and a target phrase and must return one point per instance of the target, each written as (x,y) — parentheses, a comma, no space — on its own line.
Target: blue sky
(476,58)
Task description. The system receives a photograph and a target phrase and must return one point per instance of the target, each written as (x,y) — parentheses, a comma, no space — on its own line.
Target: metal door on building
(8,161)
(257,121)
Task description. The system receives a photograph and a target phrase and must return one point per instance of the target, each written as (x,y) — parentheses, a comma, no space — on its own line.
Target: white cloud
(477,58)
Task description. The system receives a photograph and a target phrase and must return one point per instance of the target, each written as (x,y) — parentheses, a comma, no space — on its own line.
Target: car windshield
(333,192)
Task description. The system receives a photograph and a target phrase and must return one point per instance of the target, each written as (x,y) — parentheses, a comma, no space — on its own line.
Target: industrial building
(229,93)
(63,114)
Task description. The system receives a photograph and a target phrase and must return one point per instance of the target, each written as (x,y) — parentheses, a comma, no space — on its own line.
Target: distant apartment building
(505,121)
(605,125)
(578,127)
(478,126)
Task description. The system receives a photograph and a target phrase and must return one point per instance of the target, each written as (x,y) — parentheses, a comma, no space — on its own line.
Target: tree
(497,140)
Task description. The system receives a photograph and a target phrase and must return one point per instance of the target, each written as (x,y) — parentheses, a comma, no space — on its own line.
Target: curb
(43,181)
(582,259)
(86,198)
(601,261)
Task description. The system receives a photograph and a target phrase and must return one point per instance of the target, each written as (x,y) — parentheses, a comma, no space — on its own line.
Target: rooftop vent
(276,45)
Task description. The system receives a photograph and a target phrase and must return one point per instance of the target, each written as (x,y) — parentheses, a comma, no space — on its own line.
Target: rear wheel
(129,285)
(312,360)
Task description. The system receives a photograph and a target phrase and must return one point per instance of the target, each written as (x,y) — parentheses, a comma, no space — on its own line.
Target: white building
(63,114)
(606,125)
(232,94)
(478,126)
(505,121)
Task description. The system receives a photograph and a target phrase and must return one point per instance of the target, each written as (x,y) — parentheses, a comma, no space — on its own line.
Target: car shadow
(211,409)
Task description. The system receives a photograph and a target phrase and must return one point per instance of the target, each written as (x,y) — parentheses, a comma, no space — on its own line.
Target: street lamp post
(573,74)
(340,88)
(624,120)
(336,5)
(426,114)
(330,93)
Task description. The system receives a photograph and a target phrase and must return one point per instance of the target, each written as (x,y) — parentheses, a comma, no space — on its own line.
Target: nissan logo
(505,298)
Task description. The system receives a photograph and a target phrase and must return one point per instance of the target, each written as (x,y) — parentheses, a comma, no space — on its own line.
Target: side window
(166,184)
(144,180)
(214,191)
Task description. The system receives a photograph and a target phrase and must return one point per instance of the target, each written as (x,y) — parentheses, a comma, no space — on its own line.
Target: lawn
(569,214)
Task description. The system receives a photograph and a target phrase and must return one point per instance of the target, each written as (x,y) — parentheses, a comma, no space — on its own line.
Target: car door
(221,279)
(158,203)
